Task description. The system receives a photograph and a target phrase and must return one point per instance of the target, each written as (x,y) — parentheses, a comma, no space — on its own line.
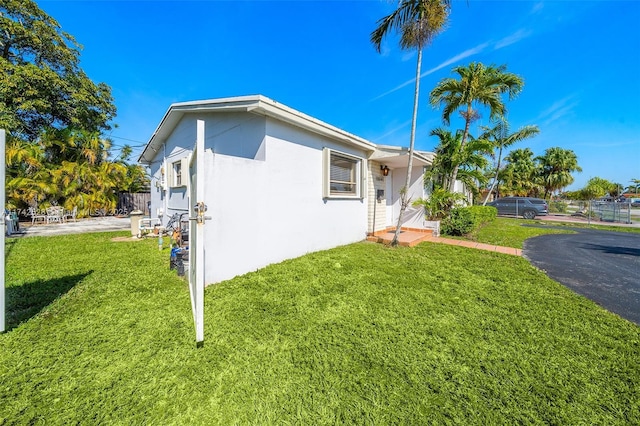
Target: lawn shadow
(9,244)
(26,301)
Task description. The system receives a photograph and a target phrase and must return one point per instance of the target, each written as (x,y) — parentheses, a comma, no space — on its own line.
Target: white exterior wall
(265,200)
(264,212)
(236,134)
(413,216)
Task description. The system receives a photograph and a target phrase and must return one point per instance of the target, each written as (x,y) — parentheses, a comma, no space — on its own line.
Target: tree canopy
(501,137)
(41,83)
(469,160)
(557,165)
(477,86)
(55,117)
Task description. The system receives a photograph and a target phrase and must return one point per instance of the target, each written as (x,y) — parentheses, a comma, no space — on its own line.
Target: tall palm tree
(469,159)
(521,173)
(557,164)
(501,138)
(478,85)
(417,22)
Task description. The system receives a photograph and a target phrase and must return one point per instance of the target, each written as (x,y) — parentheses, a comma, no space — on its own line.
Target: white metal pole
(199,237)
(2,201)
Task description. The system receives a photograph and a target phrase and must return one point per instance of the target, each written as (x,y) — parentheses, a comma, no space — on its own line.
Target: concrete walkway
(98,224)
(472,244)
(411,238)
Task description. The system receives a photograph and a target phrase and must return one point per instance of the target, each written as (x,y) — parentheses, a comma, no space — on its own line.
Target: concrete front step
(407,238)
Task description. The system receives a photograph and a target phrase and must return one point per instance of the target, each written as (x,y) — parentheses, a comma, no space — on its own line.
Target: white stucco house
(278,183)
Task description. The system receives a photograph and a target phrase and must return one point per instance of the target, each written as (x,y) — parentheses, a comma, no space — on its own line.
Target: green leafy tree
(136,178)
(439,203)
(55,116)
(634,187)
(616,190)
(521,173)
(41,83)
(596,187)
(477,86)
(451,155)
(501,138)
(417,22)
(556,168)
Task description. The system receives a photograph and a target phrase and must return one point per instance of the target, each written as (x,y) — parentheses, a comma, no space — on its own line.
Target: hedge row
(465,220)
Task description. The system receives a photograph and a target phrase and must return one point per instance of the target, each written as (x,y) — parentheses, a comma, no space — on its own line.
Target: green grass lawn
(101,332)
(510,232)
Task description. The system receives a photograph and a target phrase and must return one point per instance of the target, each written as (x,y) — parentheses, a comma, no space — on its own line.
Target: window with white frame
(343,175)
(177,173)
(178,170)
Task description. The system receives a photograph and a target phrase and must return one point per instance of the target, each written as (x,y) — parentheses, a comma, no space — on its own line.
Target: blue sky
(580,61)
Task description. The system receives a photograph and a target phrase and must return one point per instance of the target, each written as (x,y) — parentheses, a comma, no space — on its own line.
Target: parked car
(526,207)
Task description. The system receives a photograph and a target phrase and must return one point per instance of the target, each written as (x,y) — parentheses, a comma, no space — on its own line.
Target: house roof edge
(257,104)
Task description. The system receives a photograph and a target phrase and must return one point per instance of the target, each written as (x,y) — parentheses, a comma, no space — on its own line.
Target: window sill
(343,197)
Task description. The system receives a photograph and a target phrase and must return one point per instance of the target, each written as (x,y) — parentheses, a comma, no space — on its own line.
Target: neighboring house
(279,183)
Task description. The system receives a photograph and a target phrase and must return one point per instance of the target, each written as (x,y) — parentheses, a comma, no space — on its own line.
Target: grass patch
(579,225)
(509,232)
(357,334)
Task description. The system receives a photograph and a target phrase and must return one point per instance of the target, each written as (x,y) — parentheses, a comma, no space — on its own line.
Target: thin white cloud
(394,130)
(537,7)
(506,41)
(558,109)
(408,56)
(512,39)
(458,57)
(385,50)
(470,52)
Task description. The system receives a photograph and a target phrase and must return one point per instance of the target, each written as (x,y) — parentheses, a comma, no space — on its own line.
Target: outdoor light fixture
(385,170)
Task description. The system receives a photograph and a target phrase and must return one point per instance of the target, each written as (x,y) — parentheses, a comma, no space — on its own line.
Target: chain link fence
(597,211)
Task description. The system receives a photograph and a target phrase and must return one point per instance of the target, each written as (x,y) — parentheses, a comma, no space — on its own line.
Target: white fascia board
(256,104)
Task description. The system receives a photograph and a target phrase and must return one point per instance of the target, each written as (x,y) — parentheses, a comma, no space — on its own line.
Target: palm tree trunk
(495,179)
(405,199)
(465,135)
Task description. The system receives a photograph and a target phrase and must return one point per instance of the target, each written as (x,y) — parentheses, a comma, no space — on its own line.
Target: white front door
(388,195)
(197,218)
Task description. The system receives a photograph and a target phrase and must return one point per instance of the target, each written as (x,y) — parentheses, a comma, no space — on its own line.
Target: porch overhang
(397,157)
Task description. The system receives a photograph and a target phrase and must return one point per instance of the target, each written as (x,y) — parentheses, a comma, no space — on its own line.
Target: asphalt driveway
(603,266)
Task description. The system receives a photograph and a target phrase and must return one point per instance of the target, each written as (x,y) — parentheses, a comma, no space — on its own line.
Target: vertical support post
(2,203)
(197,209)
(200,236)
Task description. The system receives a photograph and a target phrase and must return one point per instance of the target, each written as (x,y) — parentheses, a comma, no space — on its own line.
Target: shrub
(484,214)
(465,220)
(459,222)
(439,203)
(558,207)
